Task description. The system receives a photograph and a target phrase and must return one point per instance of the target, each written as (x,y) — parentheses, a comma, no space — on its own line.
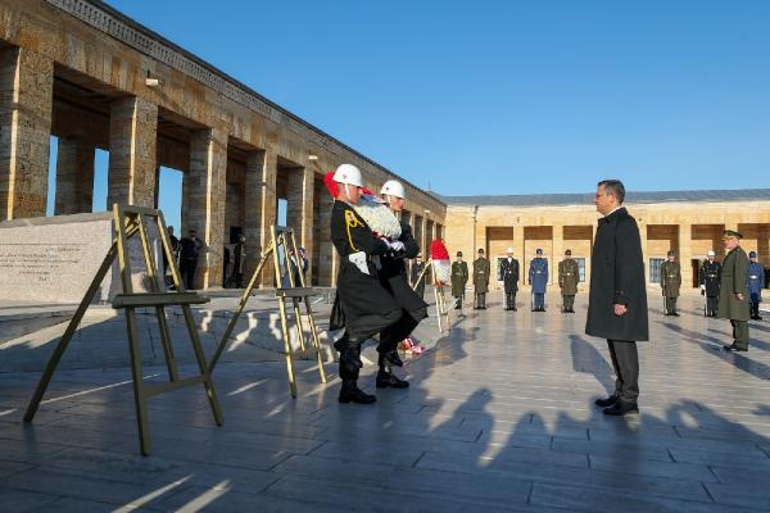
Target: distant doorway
(695,272)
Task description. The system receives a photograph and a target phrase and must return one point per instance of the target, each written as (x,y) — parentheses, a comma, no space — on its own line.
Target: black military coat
(393,276)
(361,296)
(509,272)
(710,275)
(617,277)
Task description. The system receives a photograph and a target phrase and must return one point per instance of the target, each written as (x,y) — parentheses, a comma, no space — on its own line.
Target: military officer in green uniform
(481,280)
(459,280)
(734,291)
(670,281)
(569,276)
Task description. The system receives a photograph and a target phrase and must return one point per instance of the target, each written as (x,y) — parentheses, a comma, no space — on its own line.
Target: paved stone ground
(499,417)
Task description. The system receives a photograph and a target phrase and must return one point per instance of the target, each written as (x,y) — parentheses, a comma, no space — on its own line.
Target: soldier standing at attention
(509,269)
(670,281)
(569,275)
(459,280)
(756,284)
(417,267)
(481,280)
(734,291)
(710,273)
(538,278)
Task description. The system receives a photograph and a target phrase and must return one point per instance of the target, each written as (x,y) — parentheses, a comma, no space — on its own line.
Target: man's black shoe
(390,380)
(733,347)
(355,395)
(622,407)
(515,309)
(675,314)
(608,401)
(393,358)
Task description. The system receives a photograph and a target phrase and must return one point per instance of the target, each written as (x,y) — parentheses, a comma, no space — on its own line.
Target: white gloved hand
(397,246)
(703,287)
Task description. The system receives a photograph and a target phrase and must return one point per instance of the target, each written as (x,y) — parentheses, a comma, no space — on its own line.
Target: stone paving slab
(499,418)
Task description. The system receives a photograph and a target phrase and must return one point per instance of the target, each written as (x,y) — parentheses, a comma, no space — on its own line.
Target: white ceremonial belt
(753,277)
(359,260)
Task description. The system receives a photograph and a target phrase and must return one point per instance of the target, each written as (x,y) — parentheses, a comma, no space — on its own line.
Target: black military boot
(392,358)
(609,401)
(350,393)
(350,353)
(386,379)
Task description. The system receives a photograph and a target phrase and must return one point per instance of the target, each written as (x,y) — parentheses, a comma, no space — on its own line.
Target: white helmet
(712,253)
(348,174)
(510,250)
(393,188)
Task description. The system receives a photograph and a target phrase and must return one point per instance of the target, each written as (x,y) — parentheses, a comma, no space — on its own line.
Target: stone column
(133,142)
(74,176)
(26,98)
(328,259)
(206,197)
(299,214)
(269,211)
(253,210)
(685,255)
(518,252)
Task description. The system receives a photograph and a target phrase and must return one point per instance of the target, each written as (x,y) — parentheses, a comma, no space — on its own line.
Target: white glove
(703,287)
(397,246)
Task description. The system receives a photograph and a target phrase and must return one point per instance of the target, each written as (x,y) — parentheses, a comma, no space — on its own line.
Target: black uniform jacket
(393,276)
(361,295)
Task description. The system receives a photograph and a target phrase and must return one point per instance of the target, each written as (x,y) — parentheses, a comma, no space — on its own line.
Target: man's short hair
(614,187)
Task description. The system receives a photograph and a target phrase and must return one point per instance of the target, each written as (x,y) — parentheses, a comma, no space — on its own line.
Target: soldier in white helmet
(367,307)
(509,273)
(710,276)
(393,277)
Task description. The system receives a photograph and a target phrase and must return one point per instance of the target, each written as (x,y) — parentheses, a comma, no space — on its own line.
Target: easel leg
(138,379)
(287,346)
(316,340)
(241,306)
(202,367)
(53,362)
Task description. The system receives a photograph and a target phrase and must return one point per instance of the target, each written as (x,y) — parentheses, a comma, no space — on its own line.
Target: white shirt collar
(614,210)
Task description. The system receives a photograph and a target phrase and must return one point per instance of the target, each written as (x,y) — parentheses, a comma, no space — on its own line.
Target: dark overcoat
(393,276)
(363,300)
(734,273)
(617,277)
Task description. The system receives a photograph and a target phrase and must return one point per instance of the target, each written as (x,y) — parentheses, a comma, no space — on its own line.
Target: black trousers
(481,300)
(393,327)
(712,305)
(510,300)
(625,362)
(754,308)
(187,269)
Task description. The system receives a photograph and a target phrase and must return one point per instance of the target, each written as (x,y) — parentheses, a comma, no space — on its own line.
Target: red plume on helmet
(331,185)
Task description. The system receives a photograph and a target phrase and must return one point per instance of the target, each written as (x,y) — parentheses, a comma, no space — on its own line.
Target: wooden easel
(129,221)
(438,291)
(281,244)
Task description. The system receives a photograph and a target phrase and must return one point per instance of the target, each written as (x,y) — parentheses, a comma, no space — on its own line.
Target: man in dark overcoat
(617,304)
(734,291)
(418,266)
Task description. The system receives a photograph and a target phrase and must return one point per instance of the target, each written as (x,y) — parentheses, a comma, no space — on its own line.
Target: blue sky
(508,96)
